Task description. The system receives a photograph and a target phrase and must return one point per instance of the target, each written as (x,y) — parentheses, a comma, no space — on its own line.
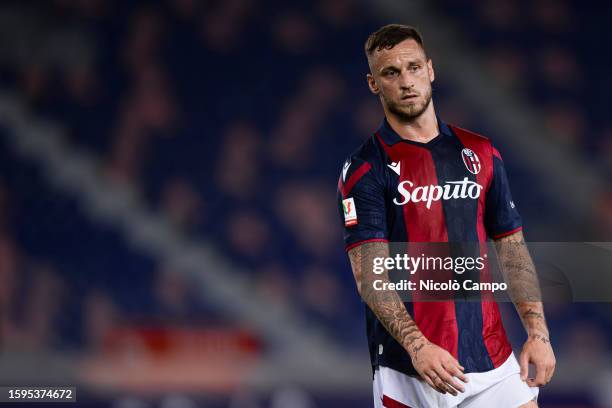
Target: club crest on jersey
(471,161)
(350,212)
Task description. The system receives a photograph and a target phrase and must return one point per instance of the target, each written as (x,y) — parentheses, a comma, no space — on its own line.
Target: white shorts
(500,388)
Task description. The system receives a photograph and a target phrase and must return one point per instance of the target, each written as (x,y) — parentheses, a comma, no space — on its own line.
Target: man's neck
(421,129)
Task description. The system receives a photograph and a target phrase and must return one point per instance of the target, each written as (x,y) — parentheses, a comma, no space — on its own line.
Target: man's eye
(391,73)
(414,68)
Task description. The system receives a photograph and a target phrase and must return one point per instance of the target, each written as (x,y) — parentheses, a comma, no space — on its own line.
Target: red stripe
(341,186)
(436,319)
(346,188)
(365,241)
(493,333)
(391,403)
(496,153)
(505,234)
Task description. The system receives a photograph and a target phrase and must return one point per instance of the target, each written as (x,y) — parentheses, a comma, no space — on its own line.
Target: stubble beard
(412,111)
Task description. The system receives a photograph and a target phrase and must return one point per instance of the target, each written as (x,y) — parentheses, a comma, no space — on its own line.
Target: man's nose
(406,80)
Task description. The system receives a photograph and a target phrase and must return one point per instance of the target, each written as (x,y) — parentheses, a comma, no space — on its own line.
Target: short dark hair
(389,36)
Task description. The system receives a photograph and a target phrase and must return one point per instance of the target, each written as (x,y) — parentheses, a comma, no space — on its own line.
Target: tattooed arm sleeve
(386,305)
(523,286)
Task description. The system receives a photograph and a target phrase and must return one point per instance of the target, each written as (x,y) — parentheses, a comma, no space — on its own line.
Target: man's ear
(432,74)
(372,84)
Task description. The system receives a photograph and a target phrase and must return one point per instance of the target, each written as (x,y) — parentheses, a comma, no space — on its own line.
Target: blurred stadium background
(168,226)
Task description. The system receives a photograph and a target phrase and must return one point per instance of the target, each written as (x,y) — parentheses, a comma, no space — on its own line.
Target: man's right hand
(438,368)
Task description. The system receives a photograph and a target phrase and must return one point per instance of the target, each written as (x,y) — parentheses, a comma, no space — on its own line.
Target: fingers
(550,372)
(457,371)
(544,373)
(454,372)
(524,363)
(449,382)
(547,375)
(540,378)
(443,372)
(446,378)
(432,379)
(551,368)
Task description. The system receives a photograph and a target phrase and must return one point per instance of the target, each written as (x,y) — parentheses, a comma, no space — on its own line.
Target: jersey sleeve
(361,204)
(501,215)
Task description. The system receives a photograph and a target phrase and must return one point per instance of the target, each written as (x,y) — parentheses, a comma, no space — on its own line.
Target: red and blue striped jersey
(453,188)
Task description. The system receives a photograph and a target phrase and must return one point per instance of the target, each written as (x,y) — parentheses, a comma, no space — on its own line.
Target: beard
(410,111)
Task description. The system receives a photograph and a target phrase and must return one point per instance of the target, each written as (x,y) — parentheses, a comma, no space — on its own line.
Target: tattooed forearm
(523,286)
(517,268)
(530,314)
(543,339)
(386,305)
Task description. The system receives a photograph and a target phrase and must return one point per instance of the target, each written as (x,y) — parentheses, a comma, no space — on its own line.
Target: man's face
(402,77)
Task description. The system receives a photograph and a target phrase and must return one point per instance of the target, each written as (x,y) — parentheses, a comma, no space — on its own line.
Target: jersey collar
(390,136)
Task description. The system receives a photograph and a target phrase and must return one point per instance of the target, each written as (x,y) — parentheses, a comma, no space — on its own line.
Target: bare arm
(524,289)
(520,274)
(386,305)
(433,363)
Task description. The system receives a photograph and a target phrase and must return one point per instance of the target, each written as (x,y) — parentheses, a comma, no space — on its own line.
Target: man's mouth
(410,96)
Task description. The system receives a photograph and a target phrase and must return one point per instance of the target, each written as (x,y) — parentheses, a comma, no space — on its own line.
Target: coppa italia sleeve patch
(350,212)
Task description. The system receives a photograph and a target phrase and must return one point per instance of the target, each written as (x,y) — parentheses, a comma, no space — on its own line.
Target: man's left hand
(537,351)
